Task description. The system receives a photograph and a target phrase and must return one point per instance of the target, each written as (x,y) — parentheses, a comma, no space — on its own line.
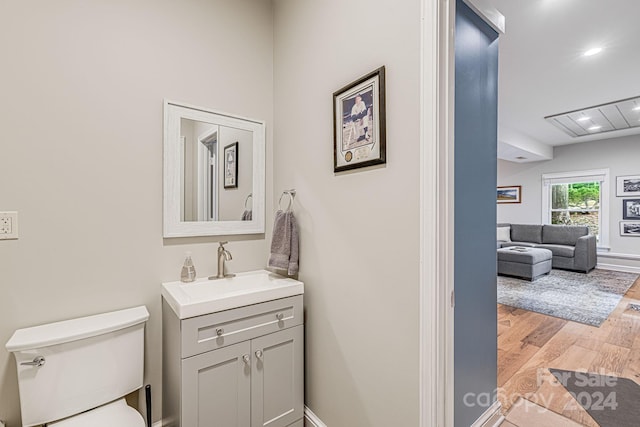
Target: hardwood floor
(530,343)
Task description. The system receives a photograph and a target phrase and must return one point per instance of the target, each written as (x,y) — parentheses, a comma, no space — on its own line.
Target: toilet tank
(88,362)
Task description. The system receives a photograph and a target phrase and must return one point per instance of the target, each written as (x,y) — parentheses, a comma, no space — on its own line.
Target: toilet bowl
(76,372)
(113,414)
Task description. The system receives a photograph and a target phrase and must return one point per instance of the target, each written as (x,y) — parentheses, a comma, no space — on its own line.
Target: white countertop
(210,296)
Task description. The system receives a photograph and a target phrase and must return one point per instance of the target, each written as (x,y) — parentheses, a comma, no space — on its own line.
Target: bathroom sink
(209,296)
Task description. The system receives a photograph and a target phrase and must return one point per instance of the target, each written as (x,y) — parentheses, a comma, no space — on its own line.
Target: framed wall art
(631,209)
(630,229)
(231,166)
(628,186)
(509,194)
(359,123)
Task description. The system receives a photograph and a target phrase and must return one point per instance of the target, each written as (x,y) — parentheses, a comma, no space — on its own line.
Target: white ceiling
(542,70)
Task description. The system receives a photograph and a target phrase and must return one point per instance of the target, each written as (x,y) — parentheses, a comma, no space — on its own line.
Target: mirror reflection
(217,172)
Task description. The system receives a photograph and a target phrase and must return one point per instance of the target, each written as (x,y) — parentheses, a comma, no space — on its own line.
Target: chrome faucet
(223,255)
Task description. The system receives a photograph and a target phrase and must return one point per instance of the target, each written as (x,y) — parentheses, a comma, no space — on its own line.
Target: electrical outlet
(8,225)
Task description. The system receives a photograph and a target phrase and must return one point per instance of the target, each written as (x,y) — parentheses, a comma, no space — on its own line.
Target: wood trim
(312,419)
(617,267)
(614,255)
(436,213)
(492,417)
(488,13)
(603,175)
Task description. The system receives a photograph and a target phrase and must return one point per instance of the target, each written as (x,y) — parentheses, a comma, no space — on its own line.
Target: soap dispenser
(188,270)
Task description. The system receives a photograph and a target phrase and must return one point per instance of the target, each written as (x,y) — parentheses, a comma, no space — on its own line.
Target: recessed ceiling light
(584,119)
(637,108)
(521,158)
(593,51)
(594,128)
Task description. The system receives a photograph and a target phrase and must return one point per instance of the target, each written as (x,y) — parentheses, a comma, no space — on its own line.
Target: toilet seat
(114,414)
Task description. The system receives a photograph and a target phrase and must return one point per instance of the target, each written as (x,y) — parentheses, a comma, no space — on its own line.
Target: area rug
(585,298)
(611,401)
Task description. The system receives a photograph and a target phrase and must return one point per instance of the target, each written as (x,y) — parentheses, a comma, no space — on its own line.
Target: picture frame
(631,209)
(231,166)
(630,229)
(627,186)
(509,194)
(359,123)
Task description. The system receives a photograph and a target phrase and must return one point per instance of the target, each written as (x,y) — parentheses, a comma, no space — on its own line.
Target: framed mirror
(214,172)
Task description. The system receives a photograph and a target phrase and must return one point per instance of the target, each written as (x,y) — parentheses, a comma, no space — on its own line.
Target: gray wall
(620,155)
(475,341)
(81,117)
(359,231)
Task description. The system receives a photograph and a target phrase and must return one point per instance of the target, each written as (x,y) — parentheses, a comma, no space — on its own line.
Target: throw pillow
(504,234)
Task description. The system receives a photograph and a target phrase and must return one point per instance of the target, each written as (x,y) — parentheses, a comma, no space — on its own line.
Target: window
(577,204)
(578,198)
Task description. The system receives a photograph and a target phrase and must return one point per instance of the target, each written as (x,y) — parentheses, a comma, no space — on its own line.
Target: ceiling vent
(617,115)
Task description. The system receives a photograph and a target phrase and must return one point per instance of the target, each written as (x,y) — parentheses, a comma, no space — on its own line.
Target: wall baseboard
(614,255)
(616,267)
(492,417)
(627,263)
(312,419)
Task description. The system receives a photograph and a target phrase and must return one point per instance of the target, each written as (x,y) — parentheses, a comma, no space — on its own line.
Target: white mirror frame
(173,226)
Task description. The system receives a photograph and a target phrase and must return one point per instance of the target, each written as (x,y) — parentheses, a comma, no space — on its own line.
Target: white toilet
(77,372)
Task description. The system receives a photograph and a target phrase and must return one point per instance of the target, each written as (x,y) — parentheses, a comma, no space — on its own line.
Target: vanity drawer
(216,330)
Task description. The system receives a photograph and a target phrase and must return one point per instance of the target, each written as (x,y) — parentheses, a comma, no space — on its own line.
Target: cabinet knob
(280,316)
(246,358)
(259,354)
(219,332)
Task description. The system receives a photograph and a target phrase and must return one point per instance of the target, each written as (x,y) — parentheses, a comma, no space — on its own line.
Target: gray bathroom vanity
(233,352)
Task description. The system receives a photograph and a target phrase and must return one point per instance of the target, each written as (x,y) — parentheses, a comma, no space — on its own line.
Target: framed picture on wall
(631,209)
(510,194)
(359,123)
(628,186)
(630,229)
(231,166)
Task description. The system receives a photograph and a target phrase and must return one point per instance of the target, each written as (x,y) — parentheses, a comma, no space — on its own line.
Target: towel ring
(250,196)
(291,194)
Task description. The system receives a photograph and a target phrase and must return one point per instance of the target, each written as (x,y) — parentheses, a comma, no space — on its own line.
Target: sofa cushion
(563,234)
(530,256)
(526,233)
(559,250)
(504,233)
(524,244)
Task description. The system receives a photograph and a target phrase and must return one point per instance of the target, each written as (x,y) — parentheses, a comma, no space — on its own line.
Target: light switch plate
(8,225)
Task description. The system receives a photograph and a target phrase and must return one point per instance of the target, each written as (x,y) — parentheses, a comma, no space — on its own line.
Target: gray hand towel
(284,243)
(247,215)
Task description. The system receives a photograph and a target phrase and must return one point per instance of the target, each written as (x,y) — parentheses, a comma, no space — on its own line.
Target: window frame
(595,175)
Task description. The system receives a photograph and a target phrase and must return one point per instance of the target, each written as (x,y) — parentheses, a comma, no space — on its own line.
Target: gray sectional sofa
(571,245)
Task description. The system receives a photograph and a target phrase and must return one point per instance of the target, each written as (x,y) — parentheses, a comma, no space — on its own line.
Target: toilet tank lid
(75,329)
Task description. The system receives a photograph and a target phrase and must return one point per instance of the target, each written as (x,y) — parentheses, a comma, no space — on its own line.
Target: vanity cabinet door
(216,388)
(277,384)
